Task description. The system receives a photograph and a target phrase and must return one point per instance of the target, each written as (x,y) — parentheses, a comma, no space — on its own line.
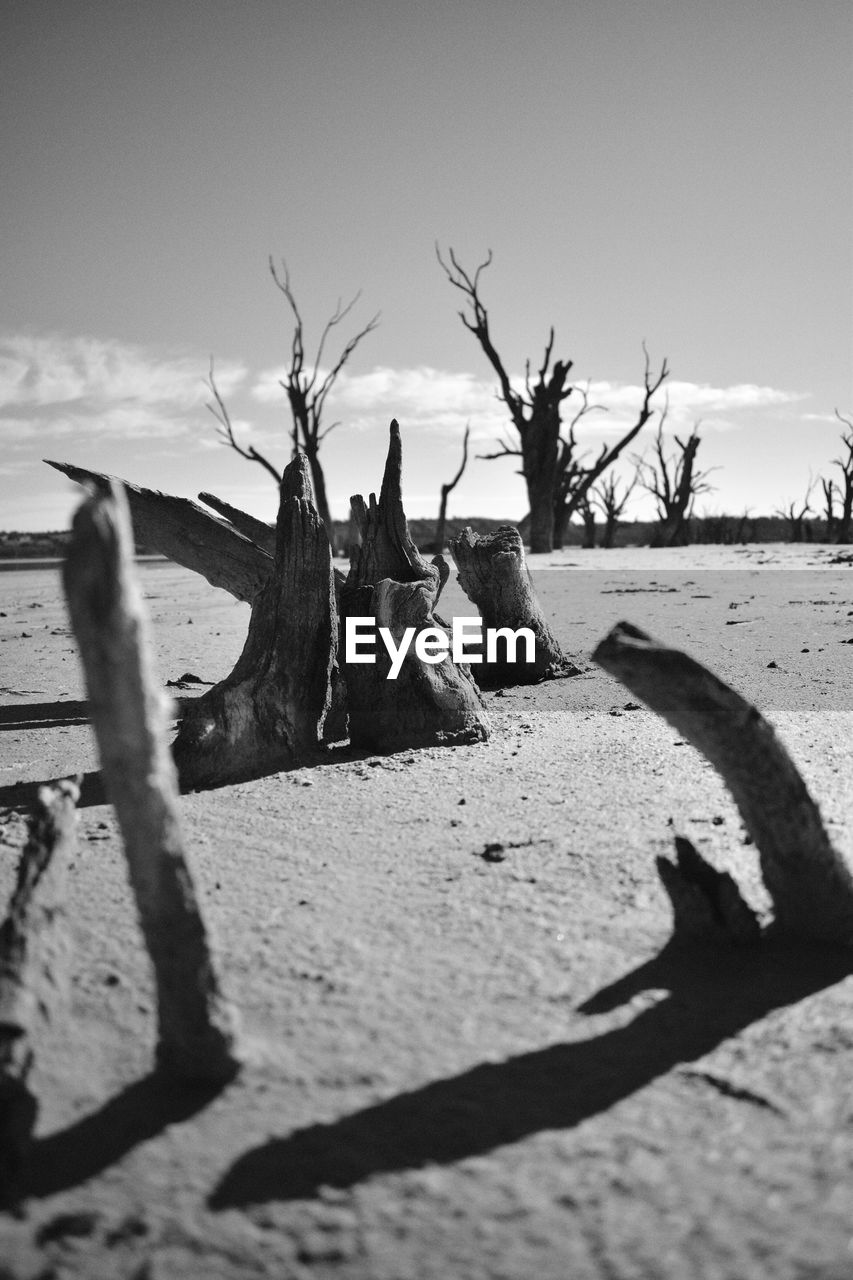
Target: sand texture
(471,1051)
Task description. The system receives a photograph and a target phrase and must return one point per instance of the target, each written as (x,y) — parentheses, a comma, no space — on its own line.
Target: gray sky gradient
(677,172)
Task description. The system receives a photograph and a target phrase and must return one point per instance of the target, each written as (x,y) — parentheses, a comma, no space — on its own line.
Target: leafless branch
(225,428)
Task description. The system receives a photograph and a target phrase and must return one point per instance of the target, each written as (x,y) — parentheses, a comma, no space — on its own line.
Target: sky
(663,171)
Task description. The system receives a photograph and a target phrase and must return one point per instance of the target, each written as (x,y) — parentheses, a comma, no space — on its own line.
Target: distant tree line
(563,484)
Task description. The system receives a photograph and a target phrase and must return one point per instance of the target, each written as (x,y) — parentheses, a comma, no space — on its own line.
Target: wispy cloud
(444,402)
(54,385)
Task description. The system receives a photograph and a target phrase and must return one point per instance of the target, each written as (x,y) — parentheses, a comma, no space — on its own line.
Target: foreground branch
(807,878)
(34,954)
(197,1038)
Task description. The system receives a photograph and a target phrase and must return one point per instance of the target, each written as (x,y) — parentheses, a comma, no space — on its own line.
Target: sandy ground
(459,1067)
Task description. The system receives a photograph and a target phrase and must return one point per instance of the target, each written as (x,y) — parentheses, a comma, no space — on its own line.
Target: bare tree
(829,491)
(306,390)
(797,519)
(446,490)
(574,479)
(674,483)
(586,511)
(611,503)
(843,531)
(536,415)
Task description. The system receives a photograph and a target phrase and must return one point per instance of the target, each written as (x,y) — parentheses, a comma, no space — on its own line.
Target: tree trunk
(269,713)
(540,493)
(391,582)
(197,1027)
(807,878)
(493,575)
(35,950)
(321,502)
(441,523)
(561,524)
(609,531)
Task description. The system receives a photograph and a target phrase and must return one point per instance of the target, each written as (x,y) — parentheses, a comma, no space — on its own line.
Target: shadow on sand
(87,1147)
(714,994)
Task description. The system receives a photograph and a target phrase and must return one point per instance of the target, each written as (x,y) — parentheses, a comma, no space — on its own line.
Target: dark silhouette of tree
(548,461)
(611,503)
(797,526)
(446,490)
(674,483)
(586,511)
(306,389)
(843,532)
(829,491)
(575,479)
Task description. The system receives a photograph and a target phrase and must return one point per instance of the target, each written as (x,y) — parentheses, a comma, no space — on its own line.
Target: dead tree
(586,511)
(535,412)
(35,947)
(829,491)
(429,703)
(674,483)
(270,712)
(611,503)
(446,490)
(808,880)
(575,479)
(307,390)
(493,575)
(844,530)
(555,482)
(798,528)
(197,1038)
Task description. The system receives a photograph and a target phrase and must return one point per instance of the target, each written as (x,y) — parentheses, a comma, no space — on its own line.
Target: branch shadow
(713,995)
(141,1111)
(23,795)
(43,715)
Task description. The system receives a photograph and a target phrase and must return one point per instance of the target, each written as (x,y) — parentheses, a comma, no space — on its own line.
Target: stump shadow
(712,995)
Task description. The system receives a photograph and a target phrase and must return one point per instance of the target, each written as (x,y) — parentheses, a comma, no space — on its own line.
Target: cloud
(443,401)
(54,385)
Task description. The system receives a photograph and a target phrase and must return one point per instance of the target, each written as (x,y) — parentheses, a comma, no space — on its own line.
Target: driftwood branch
(186,533)
(808,880)
(493,574)
(197,1037)
(34,955)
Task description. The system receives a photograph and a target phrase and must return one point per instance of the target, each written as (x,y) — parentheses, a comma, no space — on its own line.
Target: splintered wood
(270,712)
(197,1027)
(391,582)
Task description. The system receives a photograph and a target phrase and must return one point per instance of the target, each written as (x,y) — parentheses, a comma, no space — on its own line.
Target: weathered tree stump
(494,576)
(391,583)
(34,957)
(189,535)
(809,881)
(270,712)
(197,1027)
